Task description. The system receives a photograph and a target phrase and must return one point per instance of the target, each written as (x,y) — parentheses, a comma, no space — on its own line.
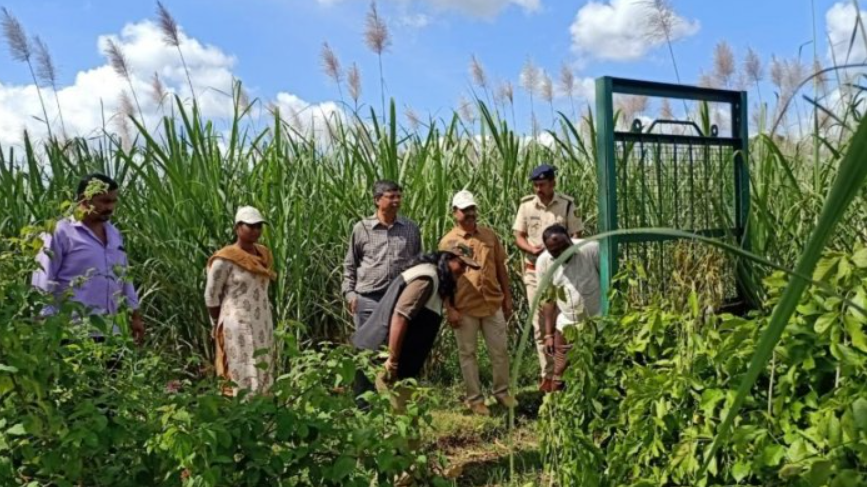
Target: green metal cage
(685,179)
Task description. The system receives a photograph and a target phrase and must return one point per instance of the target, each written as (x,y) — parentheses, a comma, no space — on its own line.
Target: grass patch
(477,448)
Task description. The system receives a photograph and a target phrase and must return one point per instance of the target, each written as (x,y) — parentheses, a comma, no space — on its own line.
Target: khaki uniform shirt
(478,292)
(534,217)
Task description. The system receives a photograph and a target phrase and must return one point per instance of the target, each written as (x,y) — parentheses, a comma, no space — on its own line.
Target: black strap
(568,210)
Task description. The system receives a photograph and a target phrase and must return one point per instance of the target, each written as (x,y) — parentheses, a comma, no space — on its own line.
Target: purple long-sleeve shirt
(75,259)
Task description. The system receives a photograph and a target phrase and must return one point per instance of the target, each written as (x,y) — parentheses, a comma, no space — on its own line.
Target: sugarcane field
(605,243)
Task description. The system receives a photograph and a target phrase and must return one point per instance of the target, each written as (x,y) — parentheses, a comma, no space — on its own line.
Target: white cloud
(840,22)
(619,30)
(94,97)
(544,139)
(473,8)
(586,88)
(484,8)
(415,21)
(309,119)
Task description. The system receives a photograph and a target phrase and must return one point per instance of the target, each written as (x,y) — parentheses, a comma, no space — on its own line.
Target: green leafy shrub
(76,412)
(647,389)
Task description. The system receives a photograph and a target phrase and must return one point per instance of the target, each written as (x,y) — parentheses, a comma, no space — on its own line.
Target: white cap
(463,199)
(248,214)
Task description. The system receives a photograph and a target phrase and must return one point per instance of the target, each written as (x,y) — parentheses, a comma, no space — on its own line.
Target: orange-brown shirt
(478,292)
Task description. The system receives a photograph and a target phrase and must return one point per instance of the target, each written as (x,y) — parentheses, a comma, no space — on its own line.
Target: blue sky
(274,45)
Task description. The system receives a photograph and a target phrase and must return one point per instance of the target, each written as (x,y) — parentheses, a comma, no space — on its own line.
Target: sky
(274,47)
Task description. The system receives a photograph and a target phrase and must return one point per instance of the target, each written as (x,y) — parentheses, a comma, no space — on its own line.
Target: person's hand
(138,329)
(453,317)
(391,369)
(549,344)
(508,308)
(353,306)
(538,249)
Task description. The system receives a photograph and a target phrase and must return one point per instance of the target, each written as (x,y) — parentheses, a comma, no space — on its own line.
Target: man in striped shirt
(380,248)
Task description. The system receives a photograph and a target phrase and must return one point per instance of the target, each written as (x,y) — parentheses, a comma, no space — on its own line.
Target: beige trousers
(546,362)
(467,335)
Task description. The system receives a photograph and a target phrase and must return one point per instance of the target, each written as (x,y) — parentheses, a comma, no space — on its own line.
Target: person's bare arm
(396,335)
(549,314)
(218,274)
(453,315)
(351,261)
(525,245)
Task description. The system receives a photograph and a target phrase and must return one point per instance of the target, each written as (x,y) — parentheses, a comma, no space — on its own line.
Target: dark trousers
(417,345)
(364,308)
(362,384)
(366,304)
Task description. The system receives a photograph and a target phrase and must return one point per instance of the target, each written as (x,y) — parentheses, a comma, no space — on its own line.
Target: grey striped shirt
(377,254)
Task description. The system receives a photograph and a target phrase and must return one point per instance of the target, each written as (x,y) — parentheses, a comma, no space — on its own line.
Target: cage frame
(607,136)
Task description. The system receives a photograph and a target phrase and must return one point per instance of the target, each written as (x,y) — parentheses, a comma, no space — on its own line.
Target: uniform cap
(544,171)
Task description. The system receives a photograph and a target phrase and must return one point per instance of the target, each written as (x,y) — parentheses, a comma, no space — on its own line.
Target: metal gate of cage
(673,174)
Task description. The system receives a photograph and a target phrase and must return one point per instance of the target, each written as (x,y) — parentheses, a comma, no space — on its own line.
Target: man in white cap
(483,301)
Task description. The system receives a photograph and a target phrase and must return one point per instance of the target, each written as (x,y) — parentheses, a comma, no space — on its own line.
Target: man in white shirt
(574,294)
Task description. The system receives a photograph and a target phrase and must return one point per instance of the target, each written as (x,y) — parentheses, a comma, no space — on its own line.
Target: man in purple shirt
(85,257)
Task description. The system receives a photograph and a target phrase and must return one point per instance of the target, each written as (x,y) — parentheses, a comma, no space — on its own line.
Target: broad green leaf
(824,267)
(855,329)
(850,430)
(846,354)
(848,478)
(342,467)
(819,473)
(860,300)
(835,432)
(17,430)
(844,269)
(6,385)
(859,413)
(808,309)
(859,258)
(772,455)
(825,321)
(790,470)
(741,470)
(797,451)
(709,399)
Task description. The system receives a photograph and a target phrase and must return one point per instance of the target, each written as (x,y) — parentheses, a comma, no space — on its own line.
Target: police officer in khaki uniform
(536,213)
